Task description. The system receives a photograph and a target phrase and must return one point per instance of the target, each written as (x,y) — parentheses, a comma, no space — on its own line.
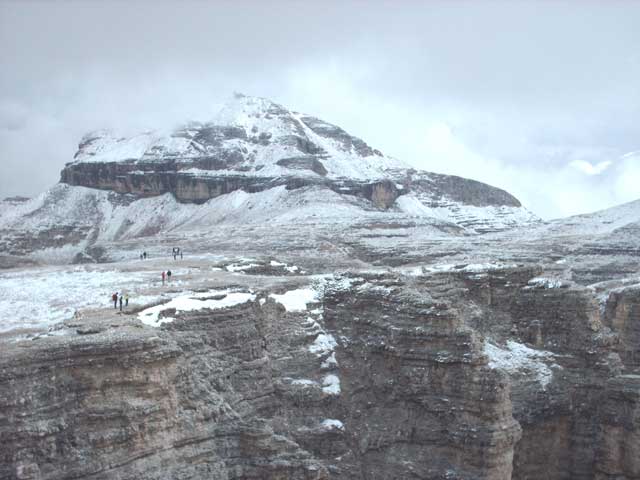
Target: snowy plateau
(331,313)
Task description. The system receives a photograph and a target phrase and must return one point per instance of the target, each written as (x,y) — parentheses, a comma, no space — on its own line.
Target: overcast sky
(539,98)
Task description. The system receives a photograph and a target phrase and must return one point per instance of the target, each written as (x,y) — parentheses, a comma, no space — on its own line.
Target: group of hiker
(175,251)
(120,298)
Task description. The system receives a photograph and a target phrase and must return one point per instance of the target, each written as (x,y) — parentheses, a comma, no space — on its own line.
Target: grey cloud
(524,87)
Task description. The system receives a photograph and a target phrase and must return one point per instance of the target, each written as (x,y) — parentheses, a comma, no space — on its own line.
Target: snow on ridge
(237,267)
(268,129)
(97,215)
(192,302)
(296,300)
(331,385)
(596,223)
(332,423)
(303,381)
(331,361)
(410,205)
(468,268)
(546,282)
(323,344)
(43,297)
(517,358)
(286,266)
(470,217)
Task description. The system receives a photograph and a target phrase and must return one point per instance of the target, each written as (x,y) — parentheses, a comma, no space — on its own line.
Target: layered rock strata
(461,375)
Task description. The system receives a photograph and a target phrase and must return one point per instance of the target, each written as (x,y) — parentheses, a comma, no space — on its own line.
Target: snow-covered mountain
(250,136)
(256,162)
(600,222)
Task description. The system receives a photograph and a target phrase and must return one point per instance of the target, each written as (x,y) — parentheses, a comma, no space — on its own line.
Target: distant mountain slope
(596,223)
(254,144)
(67,223)
(255,162)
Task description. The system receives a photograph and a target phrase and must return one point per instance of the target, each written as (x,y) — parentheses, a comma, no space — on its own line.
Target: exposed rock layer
(390,378)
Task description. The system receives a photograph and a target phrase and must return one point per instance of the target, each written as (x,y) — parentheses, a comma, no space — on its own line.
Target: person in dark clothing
(180,254)
(144,255)
(126,300)
(114,297)
(169,276)
(120,298)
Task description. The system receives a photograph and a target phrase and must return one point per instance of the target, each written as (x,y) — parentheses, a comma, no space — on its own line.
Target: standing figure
(144,255)
(163,274)
(126,299)
(169,276)
(114,297)
(120,299)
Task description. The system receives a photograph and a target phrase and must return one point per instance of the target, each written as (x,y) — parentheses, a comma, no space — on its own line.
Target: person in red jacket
(114,297)
(163,275)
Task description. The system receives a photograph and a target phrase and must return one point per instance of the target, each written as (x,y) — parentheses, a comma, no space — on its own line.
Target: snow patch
(236,267)
(331,423)
(331,385)
(517,358)
(544,282)
(42,297)
(296,300)
(303,381)
(192,302)
(323,344)
(468,268)
(330,362)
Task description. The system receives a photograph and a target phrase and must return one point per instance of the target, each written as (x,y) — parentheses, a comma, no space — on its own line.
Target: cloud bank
(541,99)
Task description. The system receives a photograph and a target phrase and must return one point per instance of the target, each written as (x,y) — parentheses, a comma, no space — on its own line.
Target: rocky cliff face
(157,179)
(216,394)
(463,375)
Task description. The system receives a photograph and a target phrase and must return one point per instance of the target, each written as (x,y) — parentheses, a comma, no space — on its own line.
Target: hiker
(114,297)
(120,299)
(126,299)
(169,276)
(163,274)
(180,254)
(144,255)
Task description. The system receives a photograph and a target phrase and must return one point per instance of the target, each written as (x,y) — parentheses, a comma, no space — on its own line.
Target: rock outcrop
(386,384)
(253,145)
(451,375)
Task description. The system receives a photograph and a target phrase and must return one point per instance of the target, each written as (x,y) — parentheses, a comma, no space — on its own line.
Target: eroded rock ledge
(384,377)
(152,179)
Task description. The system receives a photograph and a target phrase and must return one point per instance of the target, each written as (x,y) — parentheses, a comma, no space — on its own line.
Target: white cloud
(627,182)
(422,84)
(589,168)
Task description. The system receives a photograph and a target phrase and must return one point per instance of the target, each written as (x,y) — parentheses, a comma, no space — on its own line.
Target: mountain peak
(245,105)
(250,136)
(254,144)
